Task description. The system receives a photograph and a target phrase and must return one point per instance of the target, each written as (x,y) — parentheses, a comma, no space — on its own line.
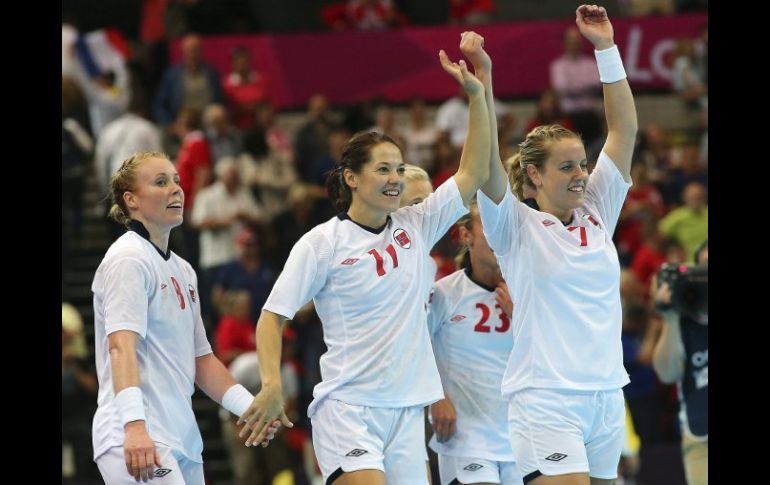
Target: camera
(689,288)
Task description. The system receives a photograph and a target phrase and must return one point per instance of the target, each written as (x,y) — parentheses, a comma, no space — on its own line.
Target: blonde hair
(123,181)
(413,173)
(534,150)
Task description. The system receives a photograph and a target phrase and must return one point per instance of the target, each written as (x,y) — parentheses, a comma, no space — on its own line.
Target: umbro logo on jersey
(350,261)
(356,452)
(162,472)
(473,467)
(192,293)
(548,222)
(457,318)
(163,286)
(556,457)
(402,238)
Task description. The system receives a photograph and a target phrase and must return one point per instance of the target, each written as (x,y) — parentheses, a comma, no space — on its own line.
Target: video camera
(689,288)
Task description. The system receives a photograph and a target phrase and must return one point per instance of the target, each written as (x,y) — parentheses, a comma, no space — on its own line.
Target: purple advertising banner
(397,65)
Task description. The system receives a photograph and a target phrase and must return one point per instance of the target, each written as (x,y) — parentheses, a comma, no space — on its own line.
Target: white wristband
(610,65)
(130,404)
(237,400)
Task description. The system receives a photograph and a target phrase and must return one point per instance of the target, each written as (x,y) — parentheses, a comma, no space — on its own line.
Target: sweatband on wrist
(610,65)
(130,404)
(237,399)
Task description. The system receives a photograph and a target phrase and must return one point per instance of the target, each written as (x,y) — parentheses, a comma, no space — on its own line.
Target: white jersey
(136,288)
(369,290)
(472,338)
(566,285)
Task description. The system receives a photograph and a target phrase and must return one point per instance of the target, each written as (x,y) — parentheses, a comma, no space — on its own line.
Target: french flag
(102,51)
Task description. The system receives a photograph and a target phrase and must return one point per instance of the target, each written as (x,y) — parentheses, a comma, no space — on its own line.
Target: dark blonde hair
(534,150)
(123,181)
(463,257)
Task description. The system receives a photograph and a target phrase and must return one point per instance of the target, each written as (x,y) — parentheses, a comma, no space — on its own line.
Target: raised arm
(474,166)
(472,46)
(619,106)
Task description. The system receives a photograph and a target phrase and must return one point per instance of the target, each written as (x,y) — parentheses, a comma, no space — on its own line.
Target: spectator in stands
(191,83)
(311,141)
(245,88)
(573,76)
(76,149)
(419,136)
(688,224)
(128,134)
(225,140)
(249,272)
(220,211)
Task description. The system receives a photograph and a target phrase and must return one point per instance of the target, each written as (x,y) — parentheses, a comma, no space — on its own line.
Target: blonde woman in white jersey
(469,317)
(364,270)
(151,347)
(565,371)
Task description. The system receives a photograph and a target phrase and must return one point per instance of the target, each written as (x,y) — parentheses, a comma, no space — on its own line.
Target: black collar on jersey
(531,202)
(374,230)
(469,272)
(138,227)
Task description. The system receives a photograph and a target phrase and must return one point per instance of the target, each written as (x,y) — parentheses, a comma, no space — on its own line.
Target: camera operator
(681,356)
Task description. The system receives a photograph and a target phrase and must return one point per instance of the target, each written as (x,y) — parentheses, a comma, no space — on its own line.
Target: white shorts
(454,469)
(349,437)
(175,468)
(558,432)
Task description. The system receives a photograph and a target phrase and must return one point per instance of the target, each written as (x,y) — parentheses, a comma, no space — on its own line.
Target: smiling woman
(147,316)
(364,269)
(565,370)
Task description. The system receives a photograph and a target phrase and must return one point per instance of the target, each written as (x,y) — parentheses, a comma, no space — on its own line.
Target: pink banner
(399,64)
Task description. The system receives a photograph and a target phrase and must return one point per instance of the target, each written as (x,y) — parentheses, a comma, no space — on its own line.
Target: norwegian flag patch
(402,238)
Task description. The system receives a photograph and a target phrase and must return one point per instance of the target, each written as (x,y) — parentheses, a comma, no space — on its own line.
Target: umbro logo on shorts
(556,457)
(473,467)
(162,472)
(350,261)
(457,318)
(356,452)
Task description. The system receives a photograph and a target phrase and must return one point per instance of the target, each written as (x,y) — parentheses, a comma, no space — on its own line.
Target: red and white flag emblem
(402,238)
